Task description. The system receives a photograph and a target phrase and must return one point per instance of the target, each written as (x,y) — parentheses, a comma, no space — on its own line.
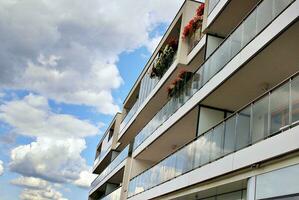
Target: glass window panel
(231,196)
(181,159)
(280,5)
(159,175)
(197,155)
(295,99)
(210,198)
(216,62)
(243,128)
(197,79)
(230,135)
(205,149)
(212,4)
(244,194)
(264,14)
(278,183)
(190,155)
(162,171)
(279,108)
(178,167)
(188,90)
(260,119)
(206,71)
(130,189)
(154,176)
(225,55)
(170,167)
(217,142)
(236,41)
(249,28)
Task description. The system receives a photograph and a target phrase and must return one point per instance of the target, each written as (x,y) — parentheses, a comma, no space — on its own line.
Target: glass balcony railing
(117,160)
(103,153)
(251,26)
(147,85)
(270,114)
(212,5)
(115,195)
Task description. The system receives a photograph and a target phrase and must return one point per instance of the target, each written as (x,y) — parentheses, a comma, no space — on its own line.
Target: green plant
(164,59)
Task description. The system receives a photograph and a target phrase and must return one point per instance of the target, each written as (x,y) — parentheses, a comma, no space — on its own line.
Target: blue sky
(66,67)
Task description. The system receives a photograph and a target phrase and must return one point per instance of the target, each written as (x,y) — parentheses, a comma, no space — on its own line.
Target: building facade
(214,113)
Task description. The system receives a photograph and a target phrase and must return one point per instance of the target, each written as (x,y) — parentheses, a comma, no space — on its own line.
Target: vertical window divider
(236,134)
(251,123)
(290,102)
(269,115)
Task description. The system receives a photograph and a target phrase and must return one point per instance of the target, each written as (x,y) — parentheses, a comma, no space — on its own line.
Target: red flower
(194,23)
(200,10)
(182,72)
(173,42)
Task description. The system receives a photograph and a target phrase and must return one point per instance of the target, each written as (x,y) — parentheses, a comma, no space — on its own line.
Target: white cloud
(56,154)
(153,43)
(31,182)
(41,194)
(50,159)
(68,50)
(1,168)
(40,121)
(85,180)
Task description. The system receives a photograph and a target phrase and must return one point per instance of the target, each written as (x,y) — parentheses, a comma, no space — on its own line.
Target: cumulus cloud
(50,159)
(48,193)
(41,121)
(68,50)
(85,180)
(56,154)
(31,182)
(1,168)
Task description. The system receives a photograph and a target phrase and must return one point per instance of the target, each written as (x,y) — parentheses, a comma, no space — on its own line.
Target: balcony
(110,170)
(147,85)
(165,60)
(115,195)
(102,155)
(251,26)
(225,15)
(272,114)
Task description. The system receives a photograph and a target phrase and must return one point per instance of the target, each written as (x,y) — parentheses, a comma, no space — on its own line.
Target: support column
(251,188)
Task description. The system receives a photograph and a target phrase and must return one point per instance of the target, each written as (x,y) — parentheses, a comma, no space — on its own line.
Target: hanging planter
(165,59)
(179,83)
(195,23)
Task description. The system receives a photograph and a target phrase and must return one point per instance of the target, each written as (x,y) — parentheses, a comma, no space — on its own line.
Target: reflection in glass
(230,135)
(249,28)
(279,108)
(264,14)
(278,183)
(295,99)
(205,149)
(216,147)
(243,128)
(260,119)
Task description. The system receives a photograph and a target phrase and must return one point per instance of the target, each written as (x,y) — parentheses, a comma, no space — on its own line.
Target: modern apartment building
(214,113)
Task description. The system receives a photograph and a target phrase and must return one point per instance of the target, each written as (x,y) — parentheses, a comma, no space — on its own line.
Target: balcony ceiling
(260,73)
(179,134)
(230,17)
